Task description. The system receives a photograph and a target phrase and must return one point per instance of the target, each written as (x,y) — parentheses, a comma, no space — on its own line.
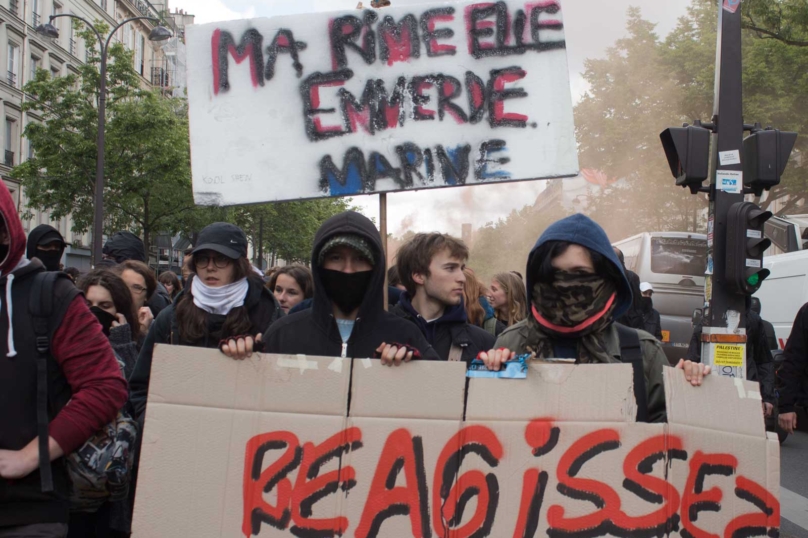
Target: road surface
(794,486)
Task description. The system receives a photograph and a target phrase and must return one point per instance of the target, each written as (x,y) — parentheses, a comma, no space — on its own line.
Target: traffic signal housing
(745,246)
(765,154)
(688,151)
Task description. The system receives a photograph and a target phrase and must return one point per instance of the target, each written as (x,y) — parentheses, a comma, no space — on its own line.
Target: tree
(147,171)
(632,98)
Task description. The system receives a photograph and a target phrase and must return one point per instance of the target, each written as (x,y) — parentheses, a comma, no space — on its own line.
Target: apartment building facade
(23,52)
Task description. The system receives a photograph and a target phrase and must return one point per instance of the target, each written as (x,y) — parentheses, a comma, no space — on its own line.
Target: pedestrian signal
(745,246)
(765,154)
(688,151)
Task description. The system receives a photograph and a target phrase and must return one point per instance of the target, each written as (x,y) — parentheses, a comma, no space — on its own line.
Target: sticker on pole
(729,181)
(728,355)
(731,5)
(444,94)
(729,157)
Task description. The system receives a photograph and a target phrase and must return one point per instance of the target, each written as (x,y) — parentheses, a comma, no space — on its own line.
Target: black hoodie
(38,234)
(314,331)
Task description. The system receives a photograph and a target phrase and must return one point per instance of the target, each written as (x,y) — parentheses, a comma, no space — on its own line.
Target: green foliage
(147,171)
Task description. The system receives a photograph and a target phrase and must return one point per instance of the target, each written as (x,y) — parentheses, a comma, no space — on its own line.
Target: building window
(9,142)
(56,71)
(13,61)
(35,64)
(34,13)
(140,44)
(14,7)
(127,36)
(57,10)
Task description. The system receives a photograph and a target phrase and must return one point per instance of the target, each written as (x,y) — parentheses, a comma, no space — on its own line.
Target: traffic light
(745,246)
(765,155)
(688,151)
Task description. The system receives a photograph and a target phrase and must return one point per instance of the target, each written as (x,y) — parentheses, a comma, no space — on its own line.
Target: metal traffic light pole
(725,320)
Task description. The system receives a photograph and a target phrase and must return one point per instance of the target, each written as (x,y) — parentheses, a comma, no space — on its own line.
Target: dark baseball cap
(224,238)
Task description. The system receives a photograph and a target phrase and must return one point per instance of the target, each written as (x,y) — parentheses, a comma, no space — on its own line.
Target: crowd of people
(71,470)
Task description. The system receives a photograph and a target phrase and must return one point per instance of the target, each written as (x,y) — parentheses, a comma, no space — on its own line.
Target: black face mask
(647,304)
(3,252)
(104,318)
(50,258)
(346,290)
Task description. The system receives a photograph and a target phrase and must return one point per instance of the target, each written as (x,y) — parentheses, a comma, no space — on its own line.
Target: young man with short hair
(431,269)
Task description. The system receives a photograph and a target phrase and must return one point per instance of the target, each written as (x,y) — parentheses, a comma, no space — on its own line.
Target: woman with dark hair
(507,297)
(171,282)
(291,285)
(110,300)
(577,289)
(139,278)
(224,305)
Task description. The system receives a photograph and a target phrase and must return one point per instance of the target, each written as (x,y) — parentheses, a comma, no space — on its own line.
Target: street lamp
(158,33)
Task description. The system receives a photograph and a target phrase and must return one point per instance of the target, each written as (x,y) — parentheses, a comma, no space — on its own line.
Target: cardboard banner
(268,447)
(362,101)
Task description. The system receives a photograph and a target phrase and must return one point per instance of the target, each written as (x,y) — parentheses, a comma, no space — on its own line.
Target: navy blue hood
(581,230)
(452,314)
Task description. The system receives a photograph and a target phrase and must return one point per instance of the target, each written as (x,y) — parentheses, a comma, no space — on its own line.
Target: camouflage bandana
(565,306)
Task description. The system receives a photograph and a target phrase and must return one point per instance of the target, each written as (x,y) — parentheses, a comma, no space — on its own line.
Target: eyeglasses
(219,260)
(137,289)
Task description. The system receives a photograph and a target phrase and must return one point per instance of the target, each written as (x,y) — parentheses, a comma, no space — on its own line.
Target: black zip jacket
(792,378)
(264,310)
(314,331)
(451,328)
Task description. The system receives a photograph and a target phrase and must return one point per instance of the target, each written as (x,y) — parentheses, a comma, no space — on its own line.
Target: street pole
(98,219)
(159,33)
(726,320)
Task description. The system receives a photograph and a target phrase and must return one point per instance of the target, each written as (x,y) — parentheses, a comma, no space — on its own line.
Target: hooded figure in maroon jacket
(81,368)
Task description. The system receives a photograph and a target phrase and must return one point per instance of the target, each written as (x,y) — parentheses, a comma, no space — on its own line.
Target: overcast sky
(591,26)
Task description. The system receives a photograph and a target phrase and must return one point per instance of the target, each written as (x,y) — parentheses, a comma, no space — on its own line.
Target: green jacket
(515,336)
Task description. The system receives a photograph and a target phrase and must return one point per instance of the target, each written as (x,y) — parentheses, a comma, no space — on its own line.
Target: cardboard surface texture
(440,94)
(269,447)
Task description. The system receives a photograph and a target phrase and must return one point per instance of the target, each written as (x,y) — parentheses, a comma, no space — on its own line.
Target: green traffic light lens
(753,280)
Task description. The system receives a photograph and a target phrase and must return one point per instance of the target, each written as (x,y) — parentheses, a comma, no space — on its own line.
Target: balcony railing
(35,19)
(73,48)
(14,7)
(12,78)
(9,158)
(104,5)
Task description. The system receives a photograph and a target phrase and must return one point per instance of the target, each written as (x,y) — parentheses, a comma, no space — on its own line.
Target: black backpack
(631,353)
(101,468)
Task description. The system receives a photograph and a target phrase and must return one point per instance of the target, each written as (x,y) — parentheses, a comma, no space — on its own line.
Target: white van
(784,292)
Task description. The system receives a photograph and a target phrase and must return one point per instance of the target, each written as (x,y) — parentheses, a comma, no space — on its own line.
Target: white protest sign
(362,101)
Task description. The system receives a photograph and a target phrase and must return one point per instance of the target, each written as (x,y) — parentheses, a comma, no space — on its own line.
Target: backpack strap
(41,309)
(631,353)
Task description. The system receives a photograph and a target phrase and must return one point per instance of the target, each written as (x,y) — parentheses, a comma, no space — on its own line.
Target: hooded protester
(37,427)
(633,316)
(431,268)
(577,290)
(123,246)
(347,318)
(652,321)
(46,243)
(224,305)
